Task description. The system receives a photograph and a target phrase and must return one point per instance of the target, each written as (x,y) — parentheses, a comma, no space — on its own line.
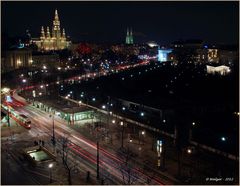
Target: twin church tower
(57,39)
(129,37)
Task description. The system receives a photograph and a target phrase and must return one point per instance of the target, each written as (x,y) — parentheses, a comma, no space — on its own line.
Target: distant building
(229,55)
(152,44)
(16,58)
(129,37)
(222,70)
(195,51)
(54,41)
(163,54)
(47,59)
(212,55)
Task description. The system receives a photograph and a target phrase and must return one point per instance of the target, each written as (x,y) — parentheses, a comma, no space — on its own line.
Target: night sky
(163,22)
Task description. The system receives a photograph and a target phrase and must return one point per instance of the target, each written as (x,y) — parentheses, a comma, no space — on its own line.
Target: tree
(68,165)
(149,172)
(129,176)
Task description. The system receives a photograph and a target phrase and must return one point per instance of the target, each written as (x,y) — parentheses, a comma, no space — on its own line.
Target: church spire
(127,37)
(131,37)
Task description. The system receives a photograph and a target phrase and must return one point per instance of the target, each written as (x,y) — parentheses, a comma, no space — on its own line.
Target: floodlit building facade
(56,40)
(222,70)
(15,59)
(163,54)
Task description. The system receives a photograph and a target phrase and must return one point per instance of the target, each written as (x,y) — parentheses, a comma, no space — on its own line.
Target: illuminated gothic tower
(55,40)
(56,26)
(129,37)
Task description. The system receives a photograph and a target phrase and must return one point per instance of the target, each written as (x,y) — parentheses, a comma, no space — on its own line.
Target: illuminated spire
(56,15)
(56,22)
(63,34)
(127,37)
(131,37)
(42,33)
(48,33)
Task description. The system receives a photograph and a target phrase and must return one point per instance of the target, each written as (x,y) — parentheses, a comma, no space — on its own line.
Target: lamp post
(121,123)
(50,172)
(141,133)
(190,131)
(53,129)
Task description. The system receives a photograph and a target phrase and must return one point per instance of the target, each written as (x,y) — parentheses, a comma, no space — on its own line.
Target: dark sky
(164,22)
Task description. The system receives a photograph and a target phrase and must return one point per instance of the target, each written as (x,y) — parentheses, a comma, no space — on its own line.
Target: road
(82,150)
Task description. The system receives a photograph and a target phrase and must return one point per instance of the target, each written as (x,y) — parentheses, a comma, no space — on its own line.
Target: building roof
(64,105)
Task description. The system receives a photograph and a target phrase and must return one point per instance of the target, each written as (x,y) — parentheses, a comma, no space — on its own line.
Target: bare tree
(149,172)
(68,165)
(129,176)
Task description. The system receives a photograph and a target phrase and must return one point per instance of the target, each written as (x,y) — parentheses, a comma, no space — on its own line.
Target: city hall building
(56,40)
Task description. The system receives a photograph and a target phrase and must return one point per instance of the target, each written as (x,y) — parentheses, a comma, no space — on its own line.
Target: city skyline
(162,22)
(120,93)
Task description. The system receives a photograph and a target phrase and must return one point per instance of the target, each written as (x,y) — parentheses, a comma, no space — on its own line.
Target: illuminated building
(16,58)
(213,55)
(152,44)
(222,70)
(163,54)
(48,59)
(129,37)
(54,41)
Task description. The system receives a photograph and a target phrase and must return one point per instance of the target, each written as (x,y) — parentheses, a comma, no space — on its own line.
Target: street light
(123,108)
(223,138)
(193,123)
(103,107)
(50,171)
(24,80)
(53,129)
(189,151)
(139,137)
(142,113)
(113,121)
(121,123)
